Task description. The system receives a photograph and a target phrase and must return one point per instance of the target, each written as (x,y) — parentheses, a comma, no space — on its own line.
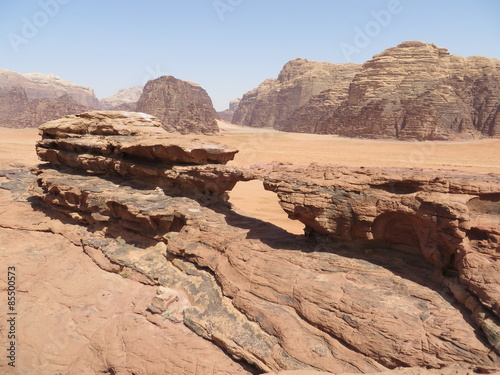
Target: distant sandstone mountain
(420,91)
(124,99)
(40,86)
(227,115)
(275,100)
(181,106)
(18,111)
(412,91)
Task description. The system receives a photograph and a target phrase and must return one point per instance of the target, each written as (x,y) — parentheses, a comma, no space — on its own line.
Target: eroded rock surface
(74,318)
(414,91)
(452,220)
(18,111)
(181,106)
(333,303)
(275,100)
(228,114)
(123,100)
(390,274)
(41,86)
(420,91)
(134,145)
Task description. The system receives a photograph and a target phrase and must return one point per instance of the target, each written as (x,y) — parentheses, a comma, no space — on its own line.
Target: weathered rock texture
(413,91)
(134,144)
(181,106)
(273,300)
(420,91)
(123,100)
(309,117)
(451,220)
(18,111)
(275,100)
(40,86)
(78,319)
(228,114)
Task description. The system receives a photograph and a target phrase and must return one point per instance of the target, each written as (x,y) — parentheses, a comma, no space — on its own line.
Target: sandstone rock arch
(273,304)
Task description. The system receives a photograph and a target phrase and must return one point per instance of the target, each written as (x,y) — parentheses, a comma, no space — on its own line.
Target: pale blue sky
(227,46)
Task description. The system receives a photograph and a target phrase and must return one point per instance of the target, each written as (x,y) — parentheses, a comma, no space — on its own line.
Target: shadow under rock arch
(268,233)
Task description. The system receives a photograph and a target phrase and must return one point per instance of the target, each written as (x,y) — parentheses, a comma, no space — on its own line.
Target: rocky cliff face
(181,106)
(123,100)
(41,86)
(398,268)
(18,111)
(275,100)
(420,91)
(228,114)
(413,91)
(310,117)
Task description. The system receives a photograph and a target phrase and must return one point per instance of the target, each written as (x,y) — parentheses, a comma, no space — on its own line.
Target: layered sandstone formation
(135,144)
(414,91)
(310,117)
(274,101)
(420,91)
(181,106)
(397,268)
(18,111)
(123,100)
(41,86)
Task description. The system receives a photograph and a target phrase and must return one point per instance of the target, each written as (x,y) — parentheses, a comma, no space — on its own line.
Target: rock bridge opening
(251,199)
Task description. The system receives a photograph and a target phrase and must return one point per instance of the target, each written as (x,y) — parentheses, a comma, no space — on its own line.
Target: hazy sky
(226,46)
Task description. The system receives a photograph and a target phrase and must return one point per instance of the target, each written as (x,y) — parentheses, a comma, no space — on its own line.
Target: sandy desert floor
(266,145)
